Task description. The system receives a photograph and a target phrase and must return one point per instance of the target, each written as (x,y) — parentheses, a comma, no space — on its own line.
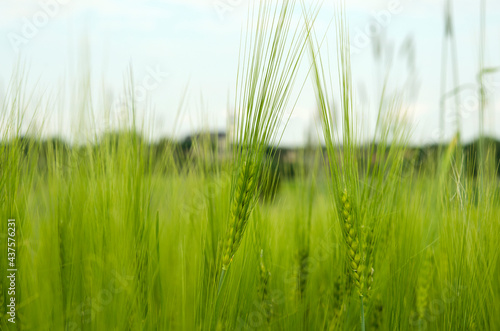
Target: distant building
(206,145)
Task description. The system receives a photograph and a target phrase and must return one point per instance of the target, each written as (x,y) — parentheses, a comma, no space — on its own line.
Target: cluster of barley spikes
(356,193)
(264,83)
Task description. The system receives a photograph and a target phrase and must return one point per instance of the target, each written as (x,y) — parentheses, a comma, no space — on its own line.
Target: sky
(183,54)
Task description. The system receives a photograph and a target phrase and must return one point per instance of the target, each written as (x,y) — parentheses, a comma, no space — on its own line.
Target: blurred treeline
(212,151)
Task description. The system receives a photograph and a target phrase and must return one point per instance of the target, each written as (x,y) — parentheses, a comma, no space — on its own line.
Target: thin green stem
(222,275)
(362,315)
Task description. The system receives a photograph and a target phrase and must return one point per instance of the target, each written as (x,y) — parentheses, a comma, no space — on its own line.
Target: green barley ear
(271,54)
(263,289)
(368,248)
(423,286)
(302,272)
(263,277)
(240,212)
(351,238)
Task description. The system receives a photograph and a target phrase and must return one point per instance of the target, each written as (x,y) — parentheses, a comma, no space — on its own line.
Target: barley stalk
(359,254)
(368,245)
(270,62)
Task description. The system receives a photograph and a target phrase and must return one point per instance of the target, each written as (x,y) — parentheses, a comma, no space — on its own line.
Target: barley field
(237,233)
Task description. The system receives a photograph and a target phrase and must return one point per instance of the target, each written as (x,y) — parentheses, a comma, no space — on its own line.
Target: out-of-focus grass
(92,253)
